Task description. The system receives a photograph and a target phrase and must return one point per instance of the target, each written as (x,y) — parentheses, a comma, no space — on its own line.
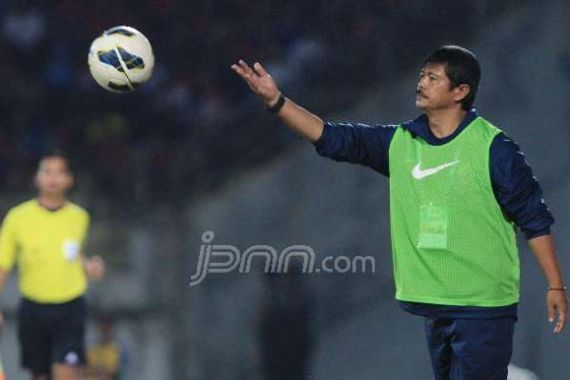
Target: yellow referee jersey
(47,246)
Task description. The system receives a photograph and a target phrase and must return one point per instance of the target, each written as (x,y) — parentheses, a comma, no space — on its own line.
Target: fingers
(259,69)
(258,80)
(238,70)
(562,319)
(558,311)
(559,327)
(551,311)
(246,73)
(243,69)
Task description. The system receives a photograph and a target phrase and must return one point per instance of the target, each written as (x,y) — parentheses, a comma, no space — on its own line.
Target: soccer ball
(121,59)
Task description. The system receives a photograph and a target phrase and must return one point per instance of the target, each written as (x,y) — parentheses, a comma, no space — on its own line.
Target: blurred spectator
(24,26)
(285,335)
(106,360)
(193,102)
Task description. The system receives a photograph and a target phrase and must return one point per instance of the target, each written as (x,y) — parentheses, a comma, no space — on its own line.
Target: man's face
(434,89)
(53,177)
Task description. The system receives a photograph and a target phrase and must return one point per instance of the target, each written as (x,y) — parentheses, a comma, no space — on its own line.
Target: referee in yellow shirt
(45,238)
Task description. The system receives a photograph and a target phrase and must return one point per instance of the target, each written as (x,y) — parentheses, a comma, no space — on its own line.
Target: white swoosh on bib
(418,173)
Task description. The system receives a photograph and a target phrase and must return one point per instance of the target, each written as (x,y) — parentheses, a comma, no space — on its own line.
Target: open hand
(259,80)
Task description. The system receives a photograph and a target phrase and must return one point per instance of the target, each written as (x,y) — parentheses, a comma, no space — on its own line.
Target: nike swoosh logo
(418,173)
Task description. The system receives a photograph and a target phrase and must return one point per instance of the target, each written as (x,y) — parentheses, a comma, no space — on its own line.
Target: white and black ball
(121,59)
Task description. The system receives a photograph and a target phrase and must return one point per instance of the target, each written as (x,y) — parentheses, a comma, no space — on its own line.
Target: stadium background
(193,151)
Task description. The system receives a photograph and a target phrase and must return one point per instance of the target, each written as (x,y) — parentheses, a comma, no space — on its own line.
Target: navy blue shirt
(516,189)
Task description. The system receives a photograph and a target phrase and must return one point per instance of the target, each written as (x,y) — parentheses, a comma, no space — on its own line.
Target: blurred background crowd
(192,151)
(194,124)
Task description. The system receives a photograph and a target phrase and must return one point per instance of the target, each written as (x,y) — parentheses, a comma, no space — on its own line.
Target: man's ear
(71,181)
(461,92)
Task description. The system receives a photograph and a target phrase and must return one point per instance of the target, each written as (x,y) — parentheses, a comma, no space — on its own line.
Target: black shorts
(52,333)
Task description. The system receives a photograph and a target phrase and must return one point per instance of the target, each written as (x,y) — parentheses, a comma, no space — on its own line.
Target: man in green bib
(458,189)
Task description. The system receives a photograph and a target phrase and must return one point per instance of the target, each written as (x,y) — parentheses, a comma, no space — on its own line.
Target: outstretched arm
(556,301)
(297,118)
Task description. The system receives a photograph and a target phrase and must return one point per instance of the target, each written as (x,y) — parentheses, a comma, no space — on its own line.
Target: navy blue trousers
(470,349)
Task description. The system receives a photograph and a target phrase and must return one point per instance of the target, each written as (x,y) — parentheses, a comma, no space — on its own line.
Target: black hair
(56,153)
(461,67)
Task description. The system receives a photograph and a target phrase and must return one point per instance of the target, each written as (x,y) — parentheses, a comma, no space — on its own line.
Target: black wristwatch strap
(278,105)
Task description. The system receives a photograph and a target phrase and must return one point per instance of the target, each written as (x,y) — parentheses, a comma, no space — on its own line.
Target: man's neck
(52,202)
(443,123)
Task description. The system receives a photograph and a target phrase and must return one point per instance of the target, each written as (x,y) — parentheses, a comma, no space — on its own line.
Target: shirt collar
(419,127)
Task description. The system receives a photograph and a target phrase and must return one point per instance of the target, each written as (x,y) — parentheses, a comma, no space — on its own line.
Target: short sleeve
(8,242)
